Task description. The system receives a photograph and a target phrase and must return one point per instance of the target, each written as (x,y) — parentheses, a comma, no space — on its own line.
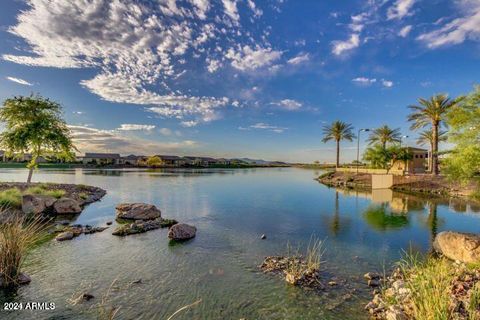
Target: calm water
(231,209)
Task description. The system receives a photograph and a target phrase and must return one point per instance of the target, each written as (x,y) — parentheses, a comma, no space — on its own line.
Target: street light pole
(358,145)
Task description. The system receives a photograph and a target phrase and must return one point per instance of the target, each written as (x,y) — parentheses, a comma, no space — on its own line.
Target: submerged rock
(68,235)
(140,226)
(137,211)
(263,237)
(182,231)
(66,206)
(464,247)
(23,279)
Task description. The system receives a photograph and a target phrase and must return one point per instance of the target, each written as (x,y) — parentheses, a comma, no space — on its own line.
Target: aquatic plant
(17,236)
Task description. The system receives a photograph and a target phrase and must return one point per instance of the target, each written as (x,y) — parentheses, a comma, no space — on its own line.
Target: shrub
(10,198)
(41,190)
(17,236)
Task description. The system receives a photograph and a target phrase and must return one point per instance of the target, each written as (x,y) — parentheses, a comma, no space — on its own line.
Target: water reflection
(382,218)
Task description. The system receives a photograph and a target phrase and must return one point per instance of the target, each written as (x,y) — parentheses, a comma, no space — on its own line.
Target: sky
(236,78)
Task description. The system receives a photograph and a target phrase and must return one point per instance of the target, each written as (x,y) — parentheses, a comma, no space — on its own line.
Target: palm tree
(432,111)
(426,138)
(384,135)
(338,131)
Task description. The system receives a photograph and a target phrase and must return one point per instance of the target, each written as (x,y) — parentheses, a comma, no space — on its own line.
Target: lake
(231,210)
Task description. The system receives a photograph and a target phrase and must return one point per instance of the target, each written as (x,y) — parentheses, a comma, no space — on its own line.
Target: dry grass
(17,236)
(184,308)
(430,282)
(315,252)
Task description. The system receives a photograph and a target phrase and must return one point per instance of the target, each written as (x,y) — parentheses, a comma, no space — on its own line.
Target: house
(174,161)
(132,160)
(223,161)
(101,158)
(200,161)
(417,164)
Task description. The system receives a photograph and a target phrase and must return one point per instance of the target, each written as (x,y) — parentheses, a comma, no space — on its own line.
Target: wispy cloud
(289,104)
(250,58)
(405,31)
(400,9)
(299,59)
(364,81)
(136,127)
(341,47)
(19,81)
(264,126)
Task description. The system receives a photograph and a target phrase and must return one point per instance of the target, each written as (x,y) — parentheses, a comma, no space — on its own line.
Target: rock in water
(64,236)
(263,237)
(36,204)
(464,247)
(181,231)
(23,279)
(66,206)
(137,211)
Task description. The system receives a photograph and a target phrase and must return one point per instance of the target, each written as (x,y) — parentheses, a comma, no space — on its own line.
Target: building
(101,158)
(223,161)
(418,164)
(173,161)
(132,160)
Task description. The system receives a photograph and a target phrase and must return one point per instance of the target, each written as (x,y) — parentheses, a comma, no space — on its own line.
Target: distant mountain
(260,161)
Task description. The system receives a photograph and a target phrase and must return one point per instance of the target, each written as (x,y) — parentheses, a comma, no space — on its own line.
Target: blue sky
(235,78)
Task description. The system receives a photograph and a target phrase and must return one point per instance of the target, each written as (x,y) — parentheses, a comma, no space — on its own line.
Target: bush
(41,190)
(17,236)
(10,198)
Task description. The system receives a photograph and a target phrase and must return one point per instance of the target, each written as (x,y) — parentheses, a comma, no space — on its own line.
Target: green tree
(385,158)
(432,111)
(35,125)
(384,135)
(338,131)
(463,163)
(154,162)
(426,138)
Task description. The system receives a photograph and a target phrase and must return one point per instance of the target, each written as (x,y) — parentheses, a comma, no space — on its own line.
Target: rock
(291,278)
(133,228)
(263,237)
(371,275)
(332,283)
(137,211)
(395,313)
(63,222)
(374,283)
(87,296)
(66,206)
(23,279)
(68,235)
(138,281)
(109,223)
(182,231)
(36,204)
(399,284)
(167,223)
(464,247)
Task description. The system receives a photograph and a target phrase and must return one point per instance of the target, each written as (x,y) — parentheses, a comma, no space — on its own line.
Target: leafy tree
(432,111)
(338,131)
(426,138)
(154,162)
(463,162)
(385,158)
(384,135)
(35,125)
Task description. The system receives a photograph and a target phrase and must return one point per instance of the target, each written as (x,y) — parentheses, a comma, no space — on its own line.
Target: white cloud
(248,58)
(78,112)
(289,104)
(364,81)
(257,12)
(165,131)
(135,127)
(458,30)
(405,31)
(400,9)
(264,126)
(340,47)
(19,81)
(138,50)
(299,59)
(387,83)
(189,124)
(89,139)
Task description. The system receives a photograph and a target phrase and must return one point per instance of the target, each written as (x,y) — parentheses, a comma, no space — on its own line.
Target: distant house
(223,161)
(200,161)
(174,161)
(132,160)
(418,164)
(101,158)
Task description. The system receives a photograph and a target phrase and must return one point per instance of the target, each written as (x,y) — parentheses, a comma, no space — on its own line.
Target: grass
(475,195)
(12,198)
(474,303)
(308,264)
(429,280)
(315,251)
(17,237)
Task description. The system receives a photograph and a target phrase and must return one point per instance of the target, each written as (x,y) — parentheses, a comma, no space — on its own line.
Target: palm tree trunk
(435,149)
(337,163)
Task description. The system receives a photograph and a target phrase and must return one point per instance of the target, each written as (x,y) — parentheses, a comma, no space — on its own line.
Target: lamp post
(358,145)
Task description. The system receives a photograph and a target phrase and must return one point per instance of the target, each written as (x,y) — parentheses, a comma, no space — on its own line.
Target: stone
(66,206)
(137,211)
(291,278)
(371,275)
(109,223)
(332,283)
(399,284)
(36,204)
(182,231)
(395,313)
(263,237)
(68,235)
(464,247)
(23,279)
(374,283)
(87,296)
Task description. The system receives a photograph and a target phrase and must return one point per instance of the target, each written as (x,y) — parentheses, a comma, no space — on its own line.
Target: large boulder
(181,231)
(36,204)
(464,247)
(137,211)
(66,206)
